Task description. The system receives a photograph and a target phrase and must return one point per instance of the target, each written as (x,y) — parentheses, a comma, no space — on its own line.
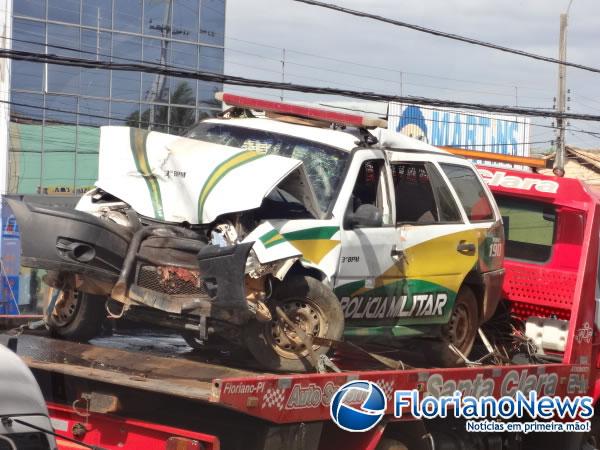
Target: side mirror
(367,216)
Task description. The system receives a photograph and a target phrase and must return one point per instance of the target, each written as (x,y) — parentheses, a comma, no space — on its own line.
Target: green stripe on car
(138,139)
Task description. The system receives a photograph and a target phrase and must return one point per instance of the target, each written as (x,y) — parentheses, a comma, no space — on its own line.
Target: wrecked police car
(280,234)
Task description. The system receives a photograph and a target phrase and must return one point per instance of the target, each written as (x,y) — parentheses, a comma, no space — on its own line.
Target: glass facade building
(56,110)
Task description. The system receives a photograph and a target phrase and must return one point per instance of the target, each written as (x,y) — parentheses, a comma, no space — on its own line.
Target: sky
(328,48)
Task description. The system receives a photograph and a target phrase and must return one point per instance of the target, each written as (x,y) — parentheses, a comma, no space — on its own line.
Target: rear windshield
(528,228)
(470,191)
(324,164)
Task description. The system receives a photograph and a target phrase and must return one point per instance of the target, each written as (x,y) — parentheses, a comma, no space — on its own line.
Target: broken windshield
(324,164)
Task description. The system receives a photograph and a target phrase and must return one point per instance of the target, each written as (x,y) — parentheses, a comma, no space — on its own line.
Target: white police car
(268,231)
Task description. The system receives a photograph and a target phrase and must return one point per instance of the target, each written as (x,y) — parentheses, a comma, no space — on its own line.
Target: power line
(242,81)
(171,66)
(278,60)
(369,66)
(444,34)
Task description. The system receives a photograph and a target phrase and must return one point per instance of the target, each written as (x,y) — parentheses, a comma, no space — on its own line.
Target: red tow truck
(137,396)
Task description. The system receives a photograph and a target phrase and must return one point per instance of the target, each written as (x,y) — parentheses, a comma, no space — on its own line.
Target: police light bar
(301,111)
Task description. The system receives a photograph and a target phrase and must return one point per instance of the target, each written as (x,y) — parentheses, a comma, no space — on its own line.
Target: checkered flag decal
(273,398)
(387,387)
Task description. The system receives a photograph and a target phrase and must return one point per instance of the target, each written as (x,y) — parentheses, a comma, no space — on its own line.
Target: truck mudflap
(67,240)
(493,292)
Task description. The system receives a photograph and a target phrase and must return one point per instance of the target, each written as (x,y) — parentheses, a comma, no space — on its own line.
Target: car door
(437,248)
(366,252)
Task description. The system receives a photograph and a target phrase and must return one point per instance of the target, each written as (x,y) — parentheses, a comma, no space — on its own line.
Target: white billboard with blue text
(471,130)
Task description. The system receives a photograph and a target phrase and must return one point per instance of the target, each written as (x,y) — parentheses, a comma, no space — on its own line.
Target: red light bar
(301,111)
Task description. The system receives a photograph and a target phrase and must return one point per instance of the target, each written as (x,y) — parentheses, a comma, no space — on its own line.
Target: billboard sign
(463,129)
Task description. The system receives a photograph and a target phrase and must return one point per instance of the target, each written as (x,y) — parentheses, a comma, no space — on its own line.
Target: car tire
(80,319)
(460,330)
(307,302)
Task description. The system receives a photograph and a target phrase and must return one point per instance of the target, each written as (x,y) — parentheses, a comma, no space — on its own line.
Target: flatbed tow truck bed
(136,368)
(278,398)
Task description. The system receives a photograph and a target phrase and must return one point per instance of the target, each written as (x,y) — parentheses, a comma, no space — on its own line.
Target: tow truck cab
(551,259)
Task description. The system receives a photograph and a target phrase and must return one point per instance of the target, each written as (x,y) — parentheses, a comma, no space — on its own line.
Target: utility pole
(401,83)
(282,71)
(159,88)
(559,160)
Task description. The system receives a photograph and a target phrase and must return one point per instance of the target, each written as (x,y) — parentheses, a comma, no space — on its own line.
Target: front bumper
(163,267)
(67,240)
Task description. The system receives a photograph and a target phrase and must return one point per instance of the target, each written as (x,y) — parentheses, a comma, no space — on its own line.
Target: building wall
(56,110)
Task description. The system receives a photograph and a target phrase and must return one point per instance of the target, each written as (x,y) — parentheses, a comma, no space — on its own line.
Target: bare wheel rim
(306,314)
(459,326)
(65,308)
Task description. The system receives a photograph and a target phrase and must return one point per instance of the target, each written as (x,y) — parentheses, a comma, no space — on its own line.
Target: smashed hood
(178,179)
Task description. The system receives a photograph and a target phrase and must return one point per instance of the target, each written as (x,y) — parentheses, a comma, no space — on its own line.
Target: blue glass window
(122,113)
(21,111)
(30,8)
(60,109)
(212,22)
(97,13)
(206,93)
(126,85)
(65,40)
(157,17)
(27,75)
(64,10)
(126,48)
(186,15)
(211,59)
(155,117)
(180,120)
(63,79)
(26,33)
(93,112)
(183,92)
(128,15)
(184,55)
(155,88)
(95,43)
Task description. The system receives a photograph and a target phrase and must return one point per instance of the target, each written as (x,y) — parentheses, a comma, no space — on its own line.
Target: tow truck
(118,392)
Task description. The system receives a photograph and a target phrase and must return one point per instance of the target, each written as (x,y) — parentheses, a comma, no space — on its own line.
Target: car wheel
(461,329)
(310,305)
(76,316)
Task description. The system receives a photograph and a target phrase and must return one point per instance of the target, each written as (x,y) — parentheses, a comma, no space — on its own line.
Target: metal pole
(559,161)
(401,84)
(97,33)
(282,70)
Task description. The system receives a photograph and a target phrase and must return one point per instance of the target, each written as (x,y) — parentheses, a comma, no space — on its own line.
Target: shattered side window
(323,164)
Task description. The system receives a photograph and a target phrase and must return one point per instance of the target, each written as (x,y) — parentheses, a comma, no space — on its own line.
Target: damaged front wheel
(76,315)
(310,309)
